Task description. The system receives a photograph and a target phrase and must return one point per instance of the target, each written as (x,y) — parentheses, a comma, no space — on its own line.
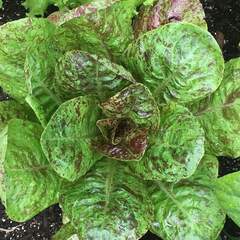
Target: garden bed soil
(224,23)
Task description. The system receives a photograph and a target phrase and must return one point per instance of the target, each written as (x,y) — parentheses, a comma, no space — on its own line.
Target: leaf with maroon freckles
(162,12)
(134,102)
(107,127)
(132,114)
(131,148)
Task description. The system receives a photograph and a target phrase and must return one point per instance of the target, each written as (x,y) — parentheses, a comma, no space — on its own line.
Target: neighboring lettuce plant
(121,131)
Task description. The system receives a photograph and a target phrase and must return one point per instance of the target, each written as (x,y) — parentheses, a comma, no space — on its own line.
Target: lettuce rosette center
(132,114)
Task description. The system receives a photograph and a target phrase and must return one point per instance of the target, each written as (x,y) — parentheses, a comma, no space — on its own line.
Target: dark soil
(223,19)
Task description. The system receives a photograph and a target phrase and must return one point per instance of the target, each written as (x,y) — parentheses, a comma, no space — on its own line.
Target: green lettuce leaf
(70,3)
(228,194)
(177,148)
(66,232)
(41,58)
(81,73)
(109,202)
(178,62)
(29,39)
(13,109)
(159,13)
(186,211)
(103,27)
(66,141)
(206,170)
(1,3)
(132,115)
(39,7)
(28,185)
(12,56)
(219,114)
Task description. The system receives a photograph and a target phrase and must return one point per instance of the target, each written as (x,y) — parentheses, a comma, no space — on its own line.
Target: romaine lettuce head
(101,137)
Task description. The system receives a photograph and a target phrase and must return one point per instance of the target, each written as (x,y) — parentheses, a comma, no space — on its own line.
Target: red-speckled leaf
(178,62)
(66,141)
(186,211)
(104,27)
(133,114)
(109,202)
(28,184)
(81,73)
(177,148)
(219,114)
(159,13)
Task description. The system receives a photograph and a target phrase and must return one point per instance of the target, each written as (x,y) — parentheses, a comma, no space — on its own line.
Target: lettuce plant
(118,122)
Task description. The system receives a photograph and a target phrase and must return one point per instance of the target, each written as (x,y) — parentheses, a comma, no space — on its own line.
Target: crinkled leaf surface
(109,202)
(161,12)
(66,232)
(228,194)
(177,148)
(132,114)
(219,114)
(82,73)
(104,27)
(12,56)
(28,184)
(187,211)
(178,62)
(66,141)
